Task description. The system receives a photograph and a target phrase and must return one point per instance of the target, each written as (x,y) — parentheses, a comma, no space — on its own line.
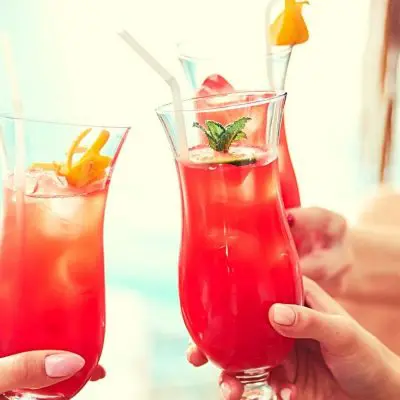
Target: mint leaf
(225,141)
(211,140)
(233,137)
(215,129)
(197,125)
(220,138)
(238,125)
(240,136)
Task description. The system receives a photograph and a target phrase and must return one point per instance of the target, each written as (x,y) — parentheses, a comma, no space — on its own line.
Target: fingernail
(62,365)
(290,220)
(225,390)
(189,355)
(286,394)
(283,315)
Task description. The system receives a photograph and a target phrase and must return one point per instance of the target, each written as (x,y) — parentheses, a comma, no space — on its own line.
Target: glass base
(256,385)
(31,396)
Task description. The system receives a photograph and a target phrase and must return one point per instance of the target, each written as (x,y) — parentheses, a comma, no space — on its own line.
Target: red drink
(288,182)
(53,241)
(237,255)
(237,258)
(216,84)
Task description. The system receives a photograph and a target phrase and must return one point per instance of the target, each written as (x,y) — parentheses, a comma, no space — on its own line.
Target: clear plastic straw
(171,82)
(268,46)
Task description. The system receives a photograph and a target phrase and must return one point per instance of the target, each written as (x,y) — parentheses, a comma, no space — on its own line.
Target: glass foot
(258,391)
(256,385)
(31,396)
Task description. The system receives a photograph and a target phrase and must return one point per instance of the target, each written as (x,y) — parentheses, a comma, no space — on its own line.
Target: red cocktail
(237,256)
(216,84)
(51,250)
(209,65)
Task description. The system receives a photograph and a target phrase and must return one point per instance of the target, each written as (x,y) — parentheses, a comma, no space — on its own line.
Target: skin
(321,241)
(26,370)
(334,357)
(332,346)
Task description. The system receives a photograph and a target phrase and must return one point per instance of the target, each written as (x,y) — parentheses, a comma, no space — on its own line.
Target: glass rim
(186,54)
(12,117)
(276,95)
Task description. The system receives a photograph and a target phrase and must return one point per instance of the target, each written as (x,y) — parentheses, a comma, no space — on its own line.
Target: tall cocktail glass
(54,190)
(215,67)
(237,256)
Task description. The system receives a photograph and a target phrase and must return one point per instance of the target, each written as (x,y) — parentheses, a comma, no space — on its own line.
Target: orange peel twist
(289,28)
(89,168)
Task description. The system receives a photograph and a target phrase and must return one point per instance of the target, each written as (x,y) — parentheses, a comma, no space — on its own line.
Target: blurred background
(73,67)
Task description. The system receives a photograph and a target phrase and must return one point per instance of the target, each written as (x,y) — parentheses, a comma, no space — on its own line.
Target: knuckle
(347,335)
(24,370)
(310,286)
(315,271)
(305,319)
(340,226)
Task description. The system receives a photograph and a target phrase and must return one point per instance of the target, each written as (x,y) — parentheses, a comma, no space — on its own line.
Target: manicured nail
(286,394)
(225,390)
(283,315)
(189,353)
(290,220)
(63,365)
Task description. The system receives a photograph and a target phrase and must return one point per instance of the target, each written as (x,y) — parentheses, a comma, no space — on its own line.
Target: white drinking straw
(171,82)
(268,46)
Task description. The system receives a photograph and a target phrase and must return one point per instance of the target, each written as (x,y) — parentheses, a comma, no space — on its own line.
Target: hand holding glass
(237,257)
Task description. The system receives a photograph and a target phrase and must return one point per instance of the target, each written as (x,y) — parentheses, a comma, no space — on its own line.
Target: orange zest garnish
(90,167)
(289,28)
(75,145)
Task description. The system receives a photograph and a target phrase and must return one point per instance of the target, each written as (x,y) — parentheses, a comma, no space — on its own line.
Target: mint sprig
(220,138)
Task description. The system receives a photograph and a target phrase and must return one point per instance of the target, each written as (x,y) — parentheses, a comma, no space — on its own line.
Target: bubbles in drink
(237,245)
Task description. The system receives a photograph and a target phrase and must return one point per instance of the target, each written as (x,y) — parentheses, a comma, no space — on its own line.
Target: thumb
(37,369)
(337,334)
(327,322)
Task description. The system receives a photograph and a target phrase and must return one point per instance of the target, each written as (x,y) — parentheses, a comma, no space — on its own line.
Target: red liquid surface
(216,84)
(52,276)
(237,259)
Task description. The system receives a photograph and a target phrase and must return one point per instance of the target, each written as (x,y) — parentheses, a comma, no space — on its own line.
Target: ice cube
(78,269)
(58,218)
(39,183)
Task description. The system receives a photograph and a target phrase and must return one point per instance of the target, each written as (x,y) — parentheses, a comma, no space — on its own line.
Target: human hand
(334,357)
(320,236)
(37,369)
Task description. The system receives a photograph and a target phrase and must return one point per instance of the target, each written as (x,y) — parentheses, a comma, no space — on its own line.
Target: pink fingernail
(63,365)
(283,315)
(225,390)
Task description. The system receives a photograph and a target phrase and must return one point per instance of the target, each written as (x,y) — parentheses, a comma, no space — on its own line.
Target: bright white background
(72,66)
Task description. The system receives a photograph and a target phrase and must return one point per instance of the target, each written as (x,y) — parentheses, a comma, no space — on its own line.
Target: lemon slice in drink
(237,155)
